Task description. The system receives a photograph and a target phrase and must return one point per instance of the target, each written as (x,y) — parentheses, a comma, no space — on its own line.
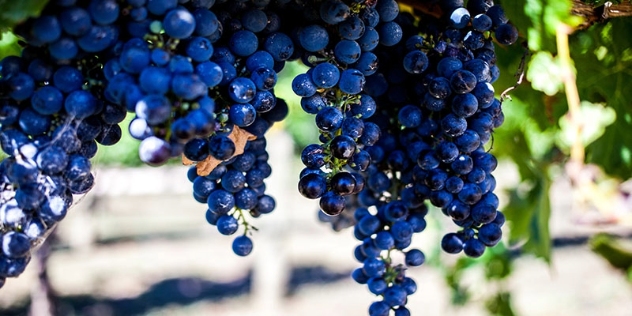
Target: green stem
(242,220)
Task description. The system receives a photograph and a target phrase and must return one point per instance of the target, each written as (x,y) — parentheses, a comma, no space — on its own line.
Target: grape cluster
(340,59)
(234,189)
(403,101)
(72,30)
(52,115)
(427,108)
(194,73)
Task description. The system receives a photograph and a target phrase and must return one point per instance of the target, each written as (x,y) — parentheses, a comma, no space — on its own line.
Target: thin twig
(519,74)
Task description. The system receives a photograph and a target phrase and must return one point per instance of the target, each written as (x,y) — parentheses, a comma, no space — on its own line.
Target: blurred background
(139,244)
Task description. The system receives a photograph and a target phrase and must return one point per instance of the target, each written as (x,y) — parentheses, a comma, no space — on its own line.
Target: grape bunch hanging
(403,100)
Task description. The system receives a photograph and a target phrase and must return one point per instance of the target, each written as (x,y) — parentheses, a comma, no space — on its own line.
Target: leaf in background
(521,138)
(544,111)
(12,12)
(603,58)
(9,45)
(500,304)
(544,16)
(497,262)
(544,73)
(593,119)
(528,214)
(298,123)
(454,277)
(534,9)
(617,254)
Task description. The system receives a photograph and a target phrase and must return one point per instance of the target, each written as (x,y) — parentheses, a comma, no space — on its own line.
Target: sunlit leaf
(12,12)
(593,119)
(606,78)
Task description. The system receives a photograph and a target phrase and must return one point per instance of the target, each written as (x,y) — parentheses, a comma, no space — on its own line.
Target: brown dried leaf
(206,166)
(186,161)
(239,136)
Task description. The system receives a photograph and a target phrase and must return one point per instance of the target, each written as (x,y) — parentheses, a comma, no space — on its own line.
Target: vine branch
(591,13)
(519,74)
(595,14)
(572,94)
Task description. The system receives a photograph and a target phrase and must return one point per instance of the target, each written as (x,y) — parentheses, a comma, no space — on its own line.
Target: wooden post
(271,271)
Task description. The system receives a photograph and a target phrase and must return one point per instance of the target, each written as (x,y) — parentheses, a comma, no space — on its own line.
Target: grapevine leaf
(239,136)
(521,138)
(593,119)
(454,278)
(9,45)
(544,73)
(529,213)
(13,12)
(497,263)
(617,254)
(543,110)
(538,19)
(500,304)
(603,57)
(543,17)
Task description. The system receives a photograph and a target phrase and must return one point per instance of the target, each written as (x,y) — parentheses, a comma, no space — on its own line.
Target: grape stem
(242,219)
(519,74)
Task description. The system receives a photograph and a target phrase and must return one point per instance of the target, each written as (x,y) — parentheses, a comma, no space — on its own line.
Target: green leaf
(528,213)
(544,16)
(12,12)
(527,103)
(593,119)
(544,73)
(497,262)
(521,138)
(619,255)
(603,59)
(500,304)
(453,277)
(9,45)
(298,123)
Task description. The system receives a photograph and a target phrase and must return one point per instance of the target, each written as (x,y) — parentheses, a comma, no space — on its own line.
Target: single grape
(242,246)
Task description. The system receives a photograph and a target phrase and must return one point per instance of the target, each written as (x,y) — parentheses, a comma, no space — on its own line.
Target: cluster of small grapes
(52,115)
(161,70)
(196,73)
(69,29)
(355,133)
(433,107)
(456,172)
(236,187)
(339,49)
